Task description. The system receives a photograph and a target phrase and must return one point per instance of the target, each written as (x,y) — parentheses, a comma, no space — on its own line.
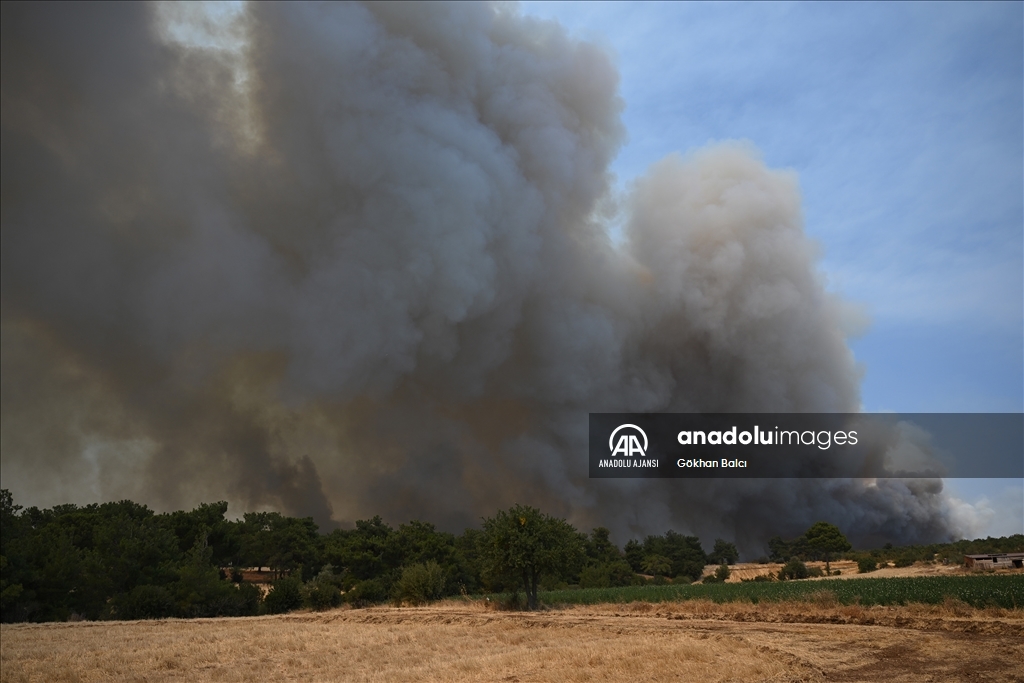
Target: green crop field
(978,591)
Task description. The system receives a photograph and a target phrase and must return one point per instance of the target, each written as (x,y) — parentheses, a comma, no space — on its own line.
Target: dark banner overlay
(806,445)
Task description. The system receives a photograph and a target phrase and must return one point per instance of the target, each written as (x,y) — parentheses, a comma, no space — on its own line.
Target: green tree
(826,539)
(417,543)
(609,574)
(468,562)
(684,553)
(11,590)
(724,553)
(634,552)
(600,548)
(200,591)
(525,543)
(866,564)
(284,596)
(778,549)
(421,583)
(145,602)
(322,591)
(284,544)
(208,519)
(794,569)
(361,554)
(657,565)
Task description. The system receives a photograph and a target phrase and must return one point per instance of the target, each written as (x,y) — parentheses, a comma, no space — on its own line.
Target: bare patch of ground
(459,641)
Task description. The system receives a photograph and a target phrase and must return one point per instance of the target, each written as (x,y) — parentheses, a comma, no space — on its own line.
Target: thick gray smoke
(361,266)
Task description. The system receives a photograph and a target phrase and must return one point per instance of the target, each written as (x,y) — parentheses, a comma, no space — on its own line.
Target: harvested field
(696,640)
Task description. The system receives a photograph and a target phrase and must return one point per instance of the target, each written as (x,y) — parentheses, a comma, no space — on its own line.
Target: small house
(995,561)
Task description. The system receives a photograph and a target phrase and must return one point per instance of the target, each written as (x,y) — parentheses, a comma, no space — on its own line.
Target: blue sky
(905,123)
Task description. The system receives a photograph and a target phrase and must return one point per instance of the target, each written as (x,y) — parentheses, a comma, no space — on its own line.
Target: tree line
(124,561)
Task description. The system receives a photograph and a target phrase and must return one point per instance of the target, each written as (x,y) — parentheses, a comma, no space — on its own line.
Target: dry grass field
(848,569)
(459,641)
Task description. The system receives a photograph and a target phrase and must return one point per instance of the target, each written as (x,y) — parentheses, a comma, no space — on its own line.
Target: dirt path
(455,642)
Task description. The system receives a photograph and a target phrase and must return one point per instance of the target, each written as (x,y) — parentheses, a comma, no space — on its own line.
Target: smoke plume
(360,264)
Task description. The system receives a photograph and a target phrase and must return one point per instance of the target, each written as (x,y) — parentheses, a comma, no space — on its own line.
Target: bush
(814,572)
(720,575)
(760,578)
(420,584)
(323,591)
(369,592)
(904,561)
(146,602)
(794,569)
(724,553)
(284,596)
(608,575)
(866,564)
(322,596)
(250,597)
(657,565)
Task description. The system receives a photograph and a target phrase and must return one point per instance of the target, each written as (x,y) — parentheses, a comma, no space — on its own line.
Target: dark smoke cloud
(361,266)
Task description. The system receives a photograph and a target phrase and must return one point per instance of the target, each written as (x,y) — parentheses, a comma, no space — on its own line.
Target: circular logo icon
(627,444)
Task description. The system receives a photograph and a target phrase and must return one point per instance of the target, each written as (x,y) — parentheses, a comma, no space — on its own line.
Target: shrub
(609,574)
(657,565)
(321,596)
(367,592)
(250,597)
(284,596)
(724,553)
(866,564)
(146,602)
(199,590)
(760,578)
(322,591)
(594,576)
(721,574)
(794,569)
(904,561)
(815,572)
(420,583)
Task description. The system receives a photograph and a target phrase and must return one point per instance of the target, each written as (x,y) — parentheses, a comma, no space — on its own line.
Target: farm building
(995,561)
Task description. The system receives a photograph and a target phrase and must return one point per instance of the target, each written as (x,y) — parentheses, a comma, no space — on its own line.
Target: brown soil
(688,641)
